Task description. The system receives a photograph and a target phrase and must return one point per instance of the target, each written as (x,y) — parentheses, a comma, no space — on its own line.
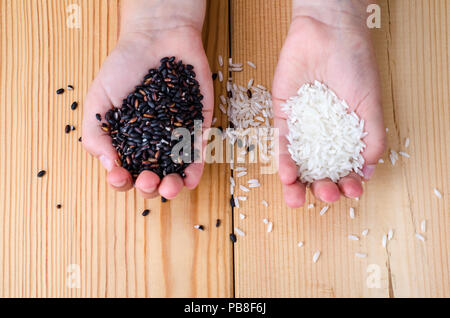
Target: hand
(140,47)
(336,50)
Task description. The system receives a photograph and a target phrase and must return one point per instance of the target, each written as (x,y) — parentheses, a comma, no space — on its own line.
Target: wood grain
(122,254)
(411,51)
(119,252)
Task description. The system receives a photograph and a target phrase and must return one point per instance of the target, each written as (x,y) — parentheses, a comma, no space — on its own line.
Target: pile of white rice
(324,138)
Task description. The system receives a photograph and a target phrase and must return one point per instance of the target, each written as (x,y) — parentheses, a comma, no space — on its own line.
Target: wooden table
(100,235)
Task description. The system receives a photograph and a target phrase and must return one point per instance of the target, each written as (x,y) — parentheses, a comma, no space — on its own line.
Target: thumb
(96,141)
(375,141)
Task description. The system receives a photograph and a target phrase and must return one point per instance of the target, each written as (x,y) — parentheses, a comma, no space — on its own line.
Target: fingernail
(106,162)
(368,171)
(119,184)
(148,190)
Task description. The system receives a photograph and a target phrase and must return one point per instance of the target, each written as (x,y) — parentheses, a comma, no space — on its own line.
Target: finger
(294,194)
(193,175)
(120,179)
(95,140)
(287,169)
(170,186)
(370,111)
(147,183)
(325,190)
(146,195)
(351,186)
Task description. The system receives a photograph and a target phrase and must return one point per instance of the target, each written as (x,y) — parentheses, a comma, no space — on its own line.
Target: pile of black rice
(141,130)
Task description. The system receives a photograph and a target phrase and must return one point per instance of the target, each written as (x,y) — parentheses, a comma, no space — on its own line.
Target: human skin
(329,41)
(150,30)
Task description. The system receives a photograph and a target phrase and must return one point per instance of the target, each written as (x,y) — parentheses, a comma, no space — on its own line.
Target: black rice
(58,206)
(67,129)
(233,238)
(60,91)
(146,212)
(232,203)
(218,222)
(214,76)
(74,106)
(70,87)
(41,173)
(163,200)
(99,117)
(141,130)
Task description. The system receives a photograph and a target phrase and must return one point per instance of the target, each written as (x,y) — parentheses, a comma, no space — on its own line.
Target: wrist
(155,16)
(334,13)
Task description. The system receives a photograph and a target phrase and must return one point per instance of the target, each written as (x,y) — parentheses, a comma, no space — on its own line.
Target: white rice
(240,169)
(197,226)
(242,198)
(404,154)
(357,199)
(353,237)
(223,99)
(365,232)
(220,76)
(300,244)
(384,241)
(239,231)
(311,206)
(244,188)
(214,121)
(220,60)
(352,213)
(387,129)
(406,142)
(324,210)
(242,216)
(251,64)
(254,181)
(266,221)
(232,181)
(423,226)
(381,161)
(437,193)
(264,202)
(420,237)
(250,83)
(361,255)
(316,256)
(390,234)
(269,227)
(324,138)
(243,110)
(241,174)
(236,202)
(222,109)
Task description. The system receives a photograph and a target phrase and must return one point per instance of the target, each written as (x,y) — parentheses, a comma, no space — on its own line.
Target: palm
(125,68)
(344,61)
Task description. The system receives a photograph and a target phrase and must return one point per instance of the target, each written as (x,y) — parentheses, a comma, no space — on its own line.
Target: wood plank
(119,253)
(411,51)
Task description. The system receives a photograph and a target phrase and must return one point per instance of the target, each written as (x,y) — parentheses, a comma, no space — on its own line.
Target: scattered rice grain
(324,210)
(239,231)
(316,256)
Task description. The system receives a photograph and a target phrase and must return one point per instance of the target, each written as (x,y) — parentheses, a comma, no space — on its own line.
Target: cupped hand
(342,57)
(125,67)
